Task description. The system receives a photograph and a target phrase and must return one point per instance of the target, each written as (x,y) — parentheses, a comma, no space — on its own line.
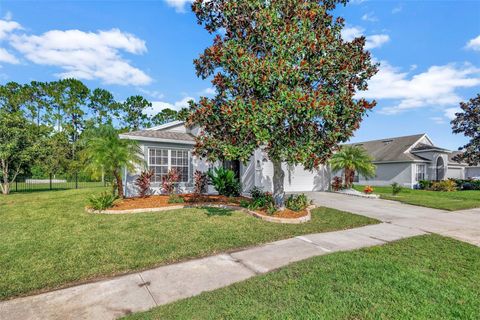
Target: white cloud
(373,41)
(8,16)
(474,44)
(6,27)
(450,112)
(436,87)
(152,93)
(158,106)
(370,17)
(86,55)
(179,5)
(397,9)
(209,91)
(7,57)
(438,120)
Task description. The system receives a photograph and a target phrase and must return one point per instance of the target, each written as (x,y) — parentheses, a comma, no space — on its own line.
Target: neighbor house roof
(392,149)
(160,135)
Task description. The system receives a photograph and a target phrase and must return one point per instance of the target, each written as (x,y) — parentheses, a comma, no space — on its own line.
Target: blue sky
(429,53)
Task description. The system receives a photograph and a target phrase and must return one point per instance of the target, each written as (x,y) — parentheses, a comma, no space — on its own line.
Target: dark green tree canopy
(164,116)
(467,122)
(133,116)
(285,79)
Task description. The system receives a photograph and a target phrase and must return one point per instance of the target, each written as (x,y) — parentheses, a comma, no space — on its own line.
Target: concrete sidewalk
(113,298)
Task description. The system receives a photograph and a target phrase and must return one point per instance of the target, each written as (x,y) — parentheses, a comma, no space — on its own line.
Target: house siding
(471,172)
(388,173)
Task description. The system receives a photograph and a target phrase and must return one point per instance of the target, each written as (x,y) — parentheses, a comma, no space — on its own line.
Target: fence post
(50,181)
(76,180)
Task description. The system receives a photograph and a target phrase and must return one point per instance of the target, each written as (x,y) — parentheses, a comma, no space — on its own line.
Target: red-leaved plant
(169,180)
(143,183)
(337,183)
(200,180)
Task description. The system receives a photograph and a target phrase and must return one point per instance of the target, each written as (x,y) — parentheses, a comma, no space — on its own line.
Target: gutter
(151,139)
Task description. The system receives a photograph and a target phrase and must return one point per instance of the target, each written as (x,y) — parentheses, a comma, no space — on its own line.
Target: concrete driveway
(462,225)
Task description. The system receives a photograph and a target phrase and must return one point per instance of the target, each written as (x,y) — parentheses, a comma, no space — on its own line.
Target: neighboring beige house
(409,159)
(405,160)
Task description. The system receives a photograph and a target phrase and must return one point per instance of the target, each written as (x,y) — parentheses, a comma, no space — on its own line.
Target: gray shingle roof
(391,149)
(161,134)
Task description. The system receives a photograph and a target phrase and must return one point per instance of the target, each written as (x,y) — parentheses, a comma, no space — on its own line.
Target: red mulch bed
(158,201)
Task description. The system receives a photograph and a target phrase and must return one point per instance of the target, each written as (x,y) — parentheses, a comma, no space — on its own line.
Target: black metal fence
(53,182)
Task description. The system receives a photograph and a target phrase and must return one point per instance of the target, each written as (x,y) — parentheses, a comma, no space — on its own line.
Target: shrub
(271,209)
(102,201)
(175,198)
(297,202)
(337,184)
(143,183)
(368,190)
(425,184)
(467,184)
(445,185)
(244,203)
(170,180)
(200,182)
(396,188)
(225,182)
(256,192)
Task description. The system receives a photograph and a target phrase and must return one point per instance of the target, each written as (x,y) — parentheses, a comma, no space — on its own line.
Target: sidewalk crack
(146,284)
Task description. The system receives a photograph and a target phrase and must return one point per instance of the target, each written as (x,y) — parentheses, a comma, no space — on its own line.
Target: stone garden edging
(303,219)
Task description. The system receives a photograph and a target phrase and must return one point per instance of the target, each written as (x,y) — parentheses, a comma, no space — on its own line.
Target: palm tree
(352,159)
(106,152)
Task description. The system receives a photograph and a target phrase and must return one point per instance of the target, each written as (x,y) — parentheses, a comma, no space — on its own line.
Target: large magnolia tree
(285,82)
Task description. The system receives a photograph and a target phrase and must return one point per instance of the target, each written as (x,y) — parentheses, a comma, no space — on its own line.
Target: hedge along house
(170,146)
(409,159)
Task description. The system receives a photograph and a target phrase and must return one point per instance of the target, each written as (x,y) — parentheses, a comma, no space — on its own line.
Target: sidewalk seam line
(148,290)
(240,262)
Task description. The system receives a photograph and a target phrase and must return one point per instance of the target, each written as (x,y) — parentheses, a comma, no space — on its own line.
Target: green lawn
(427,277)
(48,240)
(452,201)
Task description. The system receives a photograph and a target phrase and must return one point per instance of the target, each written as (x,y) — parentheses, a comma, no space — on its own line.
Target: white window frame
(169,164)
(421,172)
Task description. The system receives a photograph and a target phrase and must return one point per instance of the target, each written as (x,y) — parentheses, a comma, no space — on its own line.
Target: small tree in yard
(468,122)
(170,180)
(352,159)
(19,144)
(285,82)
(104,150)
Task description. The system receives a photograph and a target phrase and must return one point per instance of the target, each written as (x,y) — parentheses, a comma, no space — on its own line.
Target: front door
(233,165)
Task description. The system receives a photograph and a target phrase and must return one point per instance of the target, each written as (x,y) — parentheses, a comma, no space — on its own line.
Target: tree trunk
(278,183)
(347,178)
(118,177)
(5,183)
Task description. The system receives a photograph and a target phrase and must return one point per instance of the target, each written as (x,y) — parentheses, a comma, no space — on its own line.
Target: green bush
(102,201)
(445,185)
(260,199)
(396,188)
(225,182)
(257,192)
(271,209)
(175,198)
(467,184)
(297,202)
(425,184)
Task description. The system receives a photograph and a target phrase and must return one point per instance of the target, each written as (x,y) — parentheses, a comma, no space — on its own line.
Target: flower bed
(160,203)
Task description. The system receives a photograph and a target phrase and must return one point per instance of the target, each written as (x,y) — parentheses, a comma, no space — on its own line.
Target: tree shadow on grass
(212,211)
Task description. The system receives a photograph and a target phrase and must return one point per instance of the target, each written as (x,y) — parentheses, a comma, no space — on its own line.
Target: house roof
(392,149)
(160,135)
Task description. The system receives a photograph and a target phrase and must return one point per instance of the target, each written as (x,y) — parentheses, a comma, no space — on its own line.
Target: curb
(303,219)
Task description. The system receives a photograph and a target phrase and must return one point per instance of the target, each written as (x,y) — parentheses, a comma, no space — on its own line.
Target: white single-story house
(405,160)
(409,159)
(170,146)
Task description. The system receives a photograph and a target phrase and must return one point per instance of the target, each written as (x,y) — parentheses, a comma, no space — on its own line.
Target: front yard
(427,277)
(49,241)
(456,200)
